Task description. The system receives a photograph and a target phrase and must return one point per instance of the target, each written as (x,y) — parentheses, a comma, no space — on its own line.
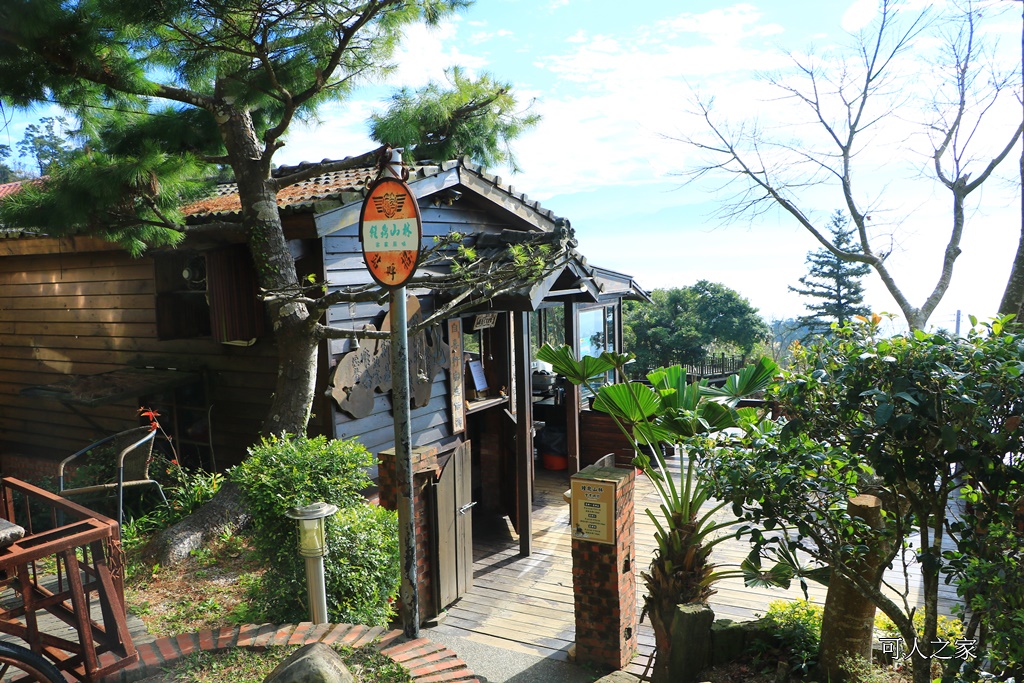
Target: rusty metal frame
(87,549)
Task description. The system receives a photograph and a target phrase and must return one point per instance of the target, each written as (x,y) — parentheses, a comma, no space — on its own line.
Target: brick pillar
(425,469)
(604,566)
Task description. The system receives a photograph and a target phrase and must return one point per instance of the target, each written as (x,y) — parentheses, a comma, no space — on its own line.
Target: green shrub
(796,629)
(995,586)
(361,560)
(949,630)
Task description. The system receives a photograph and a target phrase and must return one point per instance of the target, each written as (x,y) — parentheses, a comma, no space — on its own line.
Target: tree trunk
(662,648)
(225,511)
(1013,295)
(293,331)
(847,626)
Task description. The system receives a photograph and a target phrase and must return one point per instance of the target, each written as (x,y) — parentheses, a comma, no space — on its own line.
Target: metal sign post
(410,607)
(390,230)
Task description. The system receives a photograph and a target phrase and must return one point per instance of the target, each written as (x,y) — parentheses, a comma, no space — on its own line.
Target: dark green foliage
(907,419)
(993,582)
(833,284)
(361,560)
(683,324)
(474,117)
(152,84)
(122,199)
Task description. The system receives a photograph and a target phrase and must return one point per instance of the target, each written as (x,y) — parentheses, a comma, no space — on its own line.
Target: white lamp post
(311,519)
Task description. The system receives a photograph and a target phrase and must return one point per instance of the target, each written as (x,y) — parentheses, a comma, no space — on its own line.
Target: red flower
(152,415)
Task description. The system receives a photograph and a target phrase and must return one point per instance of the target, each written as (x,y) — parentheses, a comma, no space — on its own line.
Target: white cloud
(728,26)
(426,52)
(859,15)
(486,36)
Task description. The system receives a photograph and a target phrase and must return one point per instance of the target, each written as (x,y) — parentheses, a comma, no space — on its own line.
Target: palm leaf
(717,416)
(631,402)
(583,371)
(749,380)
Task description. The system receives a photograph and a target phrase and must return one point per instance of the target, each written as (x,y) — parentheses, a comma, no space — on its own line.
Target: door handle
(465,508)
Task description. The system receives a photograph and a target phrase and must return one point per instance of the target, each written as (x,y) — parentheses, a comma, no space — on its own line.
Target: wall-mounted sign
(390,231)
(455,369)
(482,321)
(592,512)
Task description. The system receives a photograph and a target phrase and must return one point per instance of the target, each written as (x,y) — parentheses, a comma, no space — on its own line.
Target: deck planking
(526,604)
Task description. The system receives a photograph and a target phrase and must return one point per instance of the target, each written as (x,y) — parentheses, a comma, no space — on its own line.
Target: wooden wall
(344,265)
(76,306)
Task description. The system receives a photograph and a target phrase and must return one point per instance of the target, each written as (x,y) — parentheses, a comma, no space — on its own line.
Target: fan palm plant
(688,414)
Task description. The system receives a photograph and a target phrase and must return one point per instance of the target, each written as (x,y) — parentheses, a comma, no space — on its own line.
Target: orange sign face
(390,231)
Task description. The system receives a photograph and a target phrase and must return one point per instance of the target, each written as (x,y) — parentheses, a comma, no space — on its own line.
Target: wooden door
(453,524)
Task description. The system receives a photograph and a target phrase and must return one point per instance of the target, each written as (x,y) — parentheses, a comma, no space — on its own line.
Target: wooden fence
(714,366)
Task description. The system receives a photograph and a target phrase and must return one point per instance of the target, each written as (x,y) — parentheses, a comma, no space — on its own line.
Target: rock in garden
(313,663)
(9,533)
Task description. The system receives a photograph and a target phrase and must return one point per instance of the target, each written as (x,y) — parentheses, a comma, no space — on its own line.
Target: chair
(134,448)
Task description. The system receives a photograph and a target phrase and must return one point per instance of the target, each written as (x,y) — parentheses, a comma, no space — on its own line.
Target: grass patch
(211,589)
(250,666)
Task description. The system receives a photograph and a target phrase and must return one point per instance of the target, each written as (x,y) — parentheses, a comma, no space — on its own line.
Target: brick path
(427,662)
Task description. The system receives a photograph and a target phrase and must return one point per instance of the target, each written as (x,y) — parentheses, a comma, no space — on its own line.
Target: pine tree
(165,94)
(833,284)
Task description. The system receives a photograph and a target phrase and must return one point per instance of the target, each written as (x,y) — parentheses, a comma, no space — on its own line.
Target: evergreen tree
(165,93)
(833,284)
(684,324)
(8,173)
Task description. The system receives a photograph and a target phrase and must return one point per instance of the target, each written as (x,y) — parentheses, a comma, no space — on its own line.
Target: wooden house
(89,334)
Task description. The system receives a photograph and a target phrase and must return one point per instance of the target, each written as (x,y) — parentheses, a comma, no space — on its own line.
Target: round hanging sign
(390,231)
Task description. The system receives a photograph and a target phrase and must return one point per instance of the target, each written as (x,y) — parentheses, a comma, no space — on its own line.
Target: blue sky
(614,83)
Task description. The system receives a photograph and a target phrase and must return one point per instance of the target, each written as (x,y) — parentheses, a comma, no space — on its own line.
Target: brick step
(427,661)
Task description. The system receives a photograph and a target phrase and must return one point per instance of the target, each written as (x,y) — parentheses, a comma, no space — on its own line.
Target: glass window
(597,333)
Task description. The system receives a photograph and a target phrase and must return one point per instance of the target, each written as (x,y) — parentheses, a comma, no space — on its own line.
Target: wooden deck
(526,604)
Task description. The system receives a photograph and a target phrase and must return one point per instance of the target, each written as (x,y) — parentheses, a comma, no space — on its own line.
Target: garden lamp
(312,543)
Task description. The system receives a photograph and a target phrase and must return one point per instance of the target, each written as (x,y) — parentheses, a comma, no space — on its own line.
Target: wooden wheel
(19,664)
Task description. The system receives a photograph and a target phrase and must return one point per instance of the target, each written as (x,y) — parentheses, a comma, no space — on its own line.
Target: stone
(313,663)
(9,533)
(728,641)
(619,677)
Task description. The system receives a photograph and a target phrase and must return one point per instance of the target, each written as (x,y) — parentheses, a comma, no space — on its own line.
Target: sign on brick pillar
(603,565)
(425,467)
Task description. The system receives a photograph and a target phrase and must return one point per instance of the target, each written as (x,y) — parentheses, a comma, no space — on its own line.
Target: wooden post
(572,393)
(524,433)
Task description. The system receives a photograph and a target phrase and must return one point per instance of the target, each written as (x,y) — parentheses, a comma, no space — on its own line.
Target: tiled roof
(7,189)
(332,185)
